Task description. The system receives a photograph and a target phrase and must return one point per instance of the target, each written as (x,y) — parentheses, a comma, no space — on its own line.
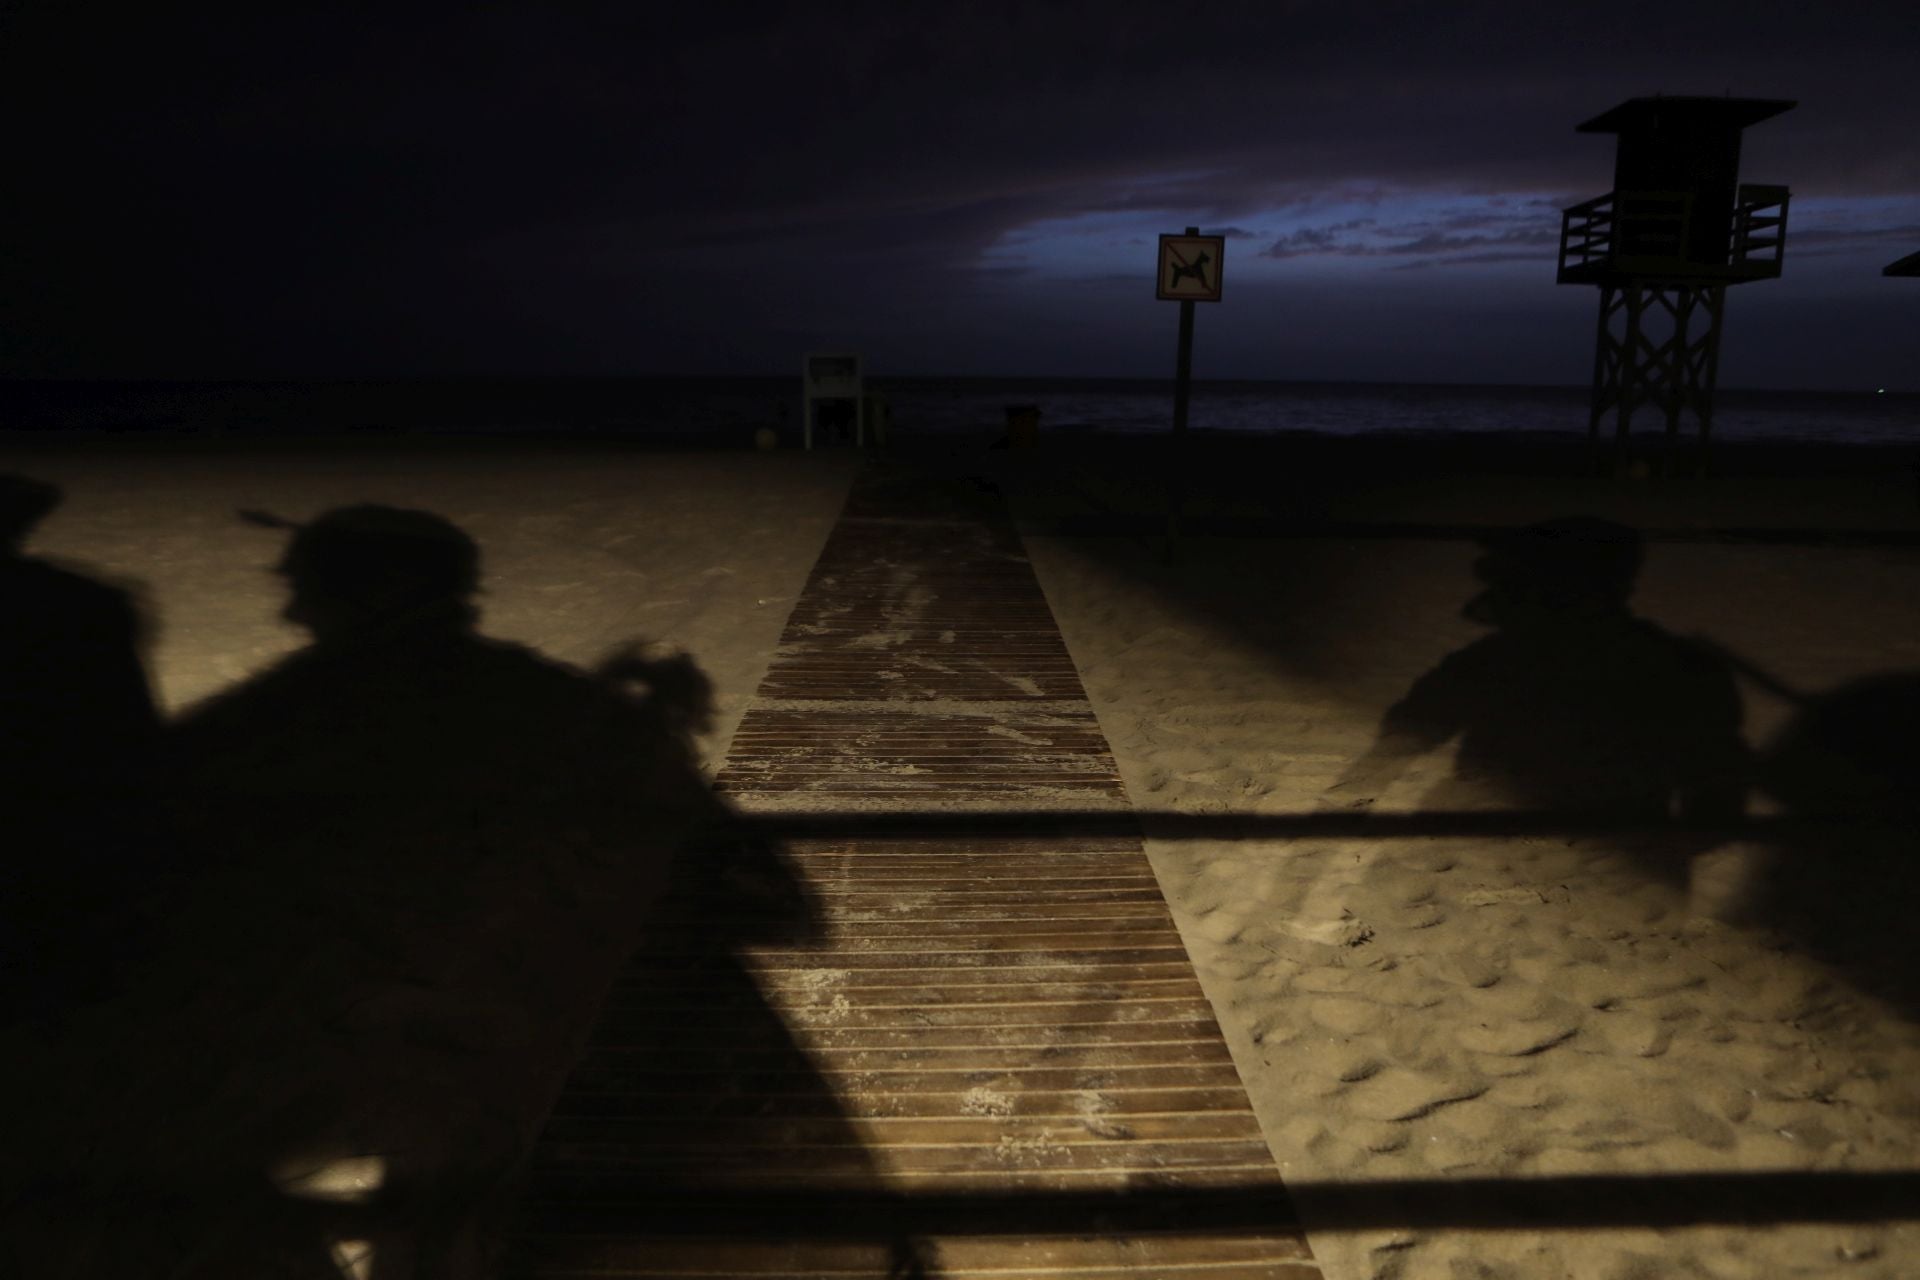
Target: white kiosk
(832,375)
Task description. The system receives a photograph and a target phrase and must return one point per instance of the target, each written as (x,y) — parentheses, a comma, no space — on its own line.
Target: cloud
(1309,241)
(1471,259)
(1840,239)
(1495,231)
(1438,242)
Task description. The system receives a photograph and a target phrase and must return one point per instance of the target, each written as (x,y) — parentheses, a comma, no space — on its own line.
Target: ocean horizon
(729,409)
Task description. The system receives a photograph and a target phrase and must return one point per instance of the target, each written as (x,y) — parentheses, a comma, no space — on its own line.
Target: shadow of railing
(1168,824)
(1106,521)
(1568,1202)
(581,1225)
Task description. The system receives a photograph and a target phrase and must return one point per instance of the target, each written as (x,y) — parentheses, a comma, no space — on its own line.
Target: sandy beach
(1436,1007)
(1420,1005)
(583,549)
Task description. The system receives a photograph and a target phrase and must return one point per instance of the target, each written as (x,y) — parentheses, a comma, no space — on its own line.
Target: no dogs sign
(1190,268)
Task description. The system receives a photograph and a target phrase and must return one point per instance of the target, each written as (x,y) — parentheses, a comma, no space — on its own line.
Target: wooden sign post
(1189,273)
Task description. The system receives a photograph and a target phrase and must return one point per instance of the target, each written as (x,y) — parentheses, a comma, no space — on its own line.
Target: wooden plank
(798,1085)
(1027,1102)
(771,1053)
(825,1031)
(1000,926)
(1040,965)
(1035,850)
(649,995)
(1124,976)
(827,872)
(1010,1014)
(1042,1258)
(1170,1166)
(942,1131)
(1068,1258)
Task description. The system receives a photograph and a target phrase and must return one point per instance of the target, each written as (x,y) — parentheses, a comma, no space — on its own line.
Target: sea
(729,410)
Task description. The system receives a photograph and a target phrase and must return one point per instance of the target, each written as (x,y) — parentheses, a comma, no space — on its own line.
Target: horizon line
(348,379)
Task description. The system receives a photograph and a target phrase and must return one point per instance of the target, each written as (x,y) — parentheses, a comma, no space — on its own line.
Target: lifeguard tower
(1663,245)
(832,376)
(1907,266)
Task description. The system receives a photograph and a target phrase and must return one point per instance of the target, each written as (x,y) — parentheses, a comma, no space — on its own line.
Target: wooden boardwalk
(932,1053)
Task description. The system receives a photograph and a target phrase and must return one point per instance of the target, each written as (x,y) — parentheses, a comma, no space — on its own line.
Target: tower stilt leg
(1605,379)
(1631,373)
(1646,351)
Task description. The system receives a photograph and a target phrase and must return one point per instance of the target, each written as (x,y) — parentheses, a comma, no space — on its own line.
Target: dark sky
(954,188)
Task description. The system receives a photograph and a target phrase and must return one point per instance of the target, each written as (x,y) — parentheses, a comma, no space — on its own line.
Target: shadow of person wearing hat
(1573,705)
(417,858)
(77,725)
(422,860)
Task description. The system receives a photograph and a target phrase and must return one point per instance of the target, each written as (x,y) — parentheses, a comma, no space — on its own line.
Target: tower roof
(1636,114)
(1907,266)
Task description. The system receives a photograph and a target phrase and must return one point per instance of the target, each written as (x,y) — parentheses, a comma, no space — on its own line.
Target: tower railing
(1648,233)
(1586,233)
(1649,227)
(1760,228)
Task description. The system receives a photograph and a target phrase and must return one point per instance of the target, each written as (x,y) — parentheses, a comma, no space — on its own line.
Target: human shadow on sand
(416,862)
(77,726)
(1573,705)
(1845,885)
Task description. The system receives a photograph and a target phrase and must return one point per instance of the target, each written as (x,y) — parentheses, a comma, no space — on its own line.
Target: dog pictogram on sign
(1190,268)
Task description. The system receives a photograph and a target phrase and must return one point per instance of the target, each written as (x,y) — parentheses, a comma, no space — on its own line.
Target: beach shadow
(77,726)
(1573,705)
(695,1112)
(1846,887)
(413,862)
